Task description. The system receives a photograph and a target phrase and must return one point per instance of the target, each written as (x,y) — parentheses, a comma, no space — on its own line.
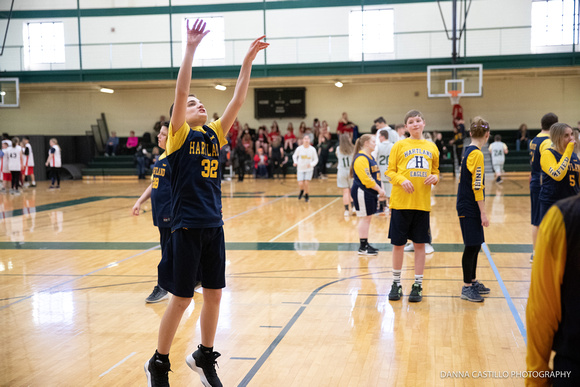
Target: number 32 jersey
(193,155)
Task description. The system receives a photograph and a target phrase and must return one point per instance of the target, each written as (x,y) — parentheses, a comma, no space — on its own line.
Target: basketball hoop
(454,96)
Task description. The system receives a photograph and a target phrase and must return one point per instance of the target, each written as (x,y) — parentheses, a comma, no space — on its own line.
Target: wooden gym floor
(301,307)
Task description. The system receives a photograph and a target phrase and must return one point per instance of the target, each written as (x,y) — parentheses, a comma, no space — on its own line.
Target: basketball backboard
(446,81)
(9,92)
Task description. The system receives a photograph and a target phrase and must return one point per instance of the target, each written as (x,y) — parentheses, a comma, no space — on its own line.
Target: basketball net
(454,96)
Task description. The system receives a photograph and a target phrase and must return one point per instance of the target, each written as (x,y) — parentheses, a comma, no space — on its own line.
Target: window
(371,32)
(553,22)
(213,45)
(43,43)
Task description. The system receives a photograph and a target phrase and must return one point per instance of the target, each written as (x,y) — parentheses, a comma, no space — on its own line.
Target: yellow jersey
(412,160)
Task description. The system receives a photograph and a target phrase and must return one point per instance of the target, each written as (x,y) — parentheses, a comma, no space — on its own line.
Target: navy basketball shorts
(472,231)
(409,224)
(194,252)
(164,239)
(535,199)
(364,202)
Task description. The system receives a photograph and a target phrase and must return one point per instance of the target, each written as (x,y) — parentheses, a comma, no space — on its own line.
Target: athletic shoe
(481,289)
(470,293)
(396,292)
(204,365)
(532,258)
(157,372)
(157,295)
(369,250)
(429,248)
(52,187)
(306,199)
(409,247)
(346,213)
(500,181)
(353,210)
(300,195)
(416,293)
(33,185)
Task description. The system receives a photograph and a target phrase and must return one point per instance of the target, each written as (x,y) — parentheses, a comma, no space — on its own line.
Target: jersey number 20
(209,168)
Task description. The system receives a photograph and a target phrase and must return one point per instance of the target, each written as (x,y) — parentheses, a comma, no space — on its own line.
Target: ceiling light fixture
(108,91)
(220,87)
(338,84)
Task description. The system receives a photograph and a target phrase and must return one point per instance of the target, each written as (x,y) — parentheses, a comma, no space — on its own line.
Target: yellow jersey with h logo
(412,160)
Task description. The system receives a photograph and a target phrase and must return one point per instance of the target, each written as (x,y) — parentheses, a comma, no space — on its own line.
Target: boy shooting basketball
(197,237)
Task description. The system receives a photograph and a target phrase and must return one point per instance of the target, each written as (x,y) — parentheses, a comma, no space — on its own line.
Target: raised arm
(241,90)
(194,36)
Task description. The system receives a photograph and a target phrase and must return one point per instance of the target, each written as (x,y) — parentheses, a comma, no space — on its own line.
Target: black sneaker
(416,293)
(157,372)
(481,289)
(368,250)
(300,195)
(157,295)
(396,292)
(306,199)
(204,365)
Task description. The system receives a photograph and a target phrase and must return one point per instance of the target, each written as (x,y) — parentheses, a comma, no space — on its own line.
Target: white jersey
(497,150)
(54,158)
(383,153)
(393,138)
(4,161)
(28,160)
(344,161)
(14,158)
(305,158)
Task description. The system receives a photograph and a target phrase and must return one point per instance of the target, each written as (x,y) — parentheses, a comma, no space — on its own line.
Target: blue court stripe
(506,294)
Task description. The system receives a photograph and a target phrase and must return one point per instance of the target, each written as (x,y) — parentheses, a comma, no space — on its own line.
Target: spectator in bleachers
(290,138)
(112,144)
(274,132)
(252,131)
(301,132)
(260,164)
(262,140)
(234,133)
(132,143)
(522,139)
(316,125)
(346,126)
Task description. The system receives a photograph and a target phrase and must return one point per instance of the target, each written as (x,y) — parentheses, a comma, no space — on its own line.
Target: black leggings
(469,263)
(54,174)
(15,179)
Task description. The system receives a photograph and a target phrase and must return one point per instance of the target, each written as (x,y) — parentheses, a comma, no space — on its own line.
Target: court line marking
(80,276)
(506,294)
(303,220)
(256,367)
(118,364)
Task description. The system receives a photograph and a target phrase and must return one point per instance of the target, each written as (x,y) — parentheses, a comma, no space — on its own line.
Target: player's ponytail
(479,127)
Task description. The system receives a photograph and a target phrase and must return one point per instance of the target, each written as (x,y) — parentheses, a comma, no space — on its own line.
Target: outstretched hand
(256,46)
(196,33)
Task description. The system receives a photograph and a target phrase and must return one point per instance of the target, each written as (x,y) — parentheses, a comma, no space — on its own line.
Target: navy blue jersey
(161,193)
(471,187)
(365,173)
(540,143)
(193,155)
(553,190)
